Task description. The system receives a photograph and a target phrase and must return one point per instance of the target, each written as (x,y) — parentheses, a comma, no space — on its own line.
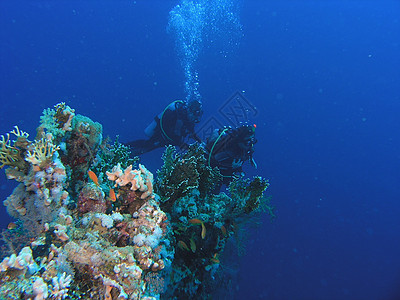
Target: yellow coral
(42,152)
(10,151)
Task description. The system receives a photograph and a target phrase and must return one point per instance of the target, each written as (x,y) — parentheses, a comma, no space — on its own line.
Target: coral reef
(12,151)
(80,147)
(203,221)
(57,121)
(111,155)
(90,225)
(183,173)
(91,199)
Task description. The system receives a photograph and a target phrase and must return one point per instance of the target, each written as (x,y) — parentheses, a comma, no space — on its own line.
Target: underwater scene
(200,149)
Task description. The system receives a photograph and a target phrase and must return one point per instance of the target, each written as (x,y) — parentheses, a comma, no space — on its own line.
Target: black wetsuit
(227,154)
(172,127)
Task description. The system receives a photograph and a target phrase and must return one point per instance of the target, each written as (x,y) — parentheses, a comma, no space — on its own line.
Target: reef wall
(92,223)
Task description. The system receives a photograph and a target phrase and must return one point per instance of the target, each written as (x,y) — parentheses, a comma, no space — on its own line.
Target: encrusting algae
(90,224)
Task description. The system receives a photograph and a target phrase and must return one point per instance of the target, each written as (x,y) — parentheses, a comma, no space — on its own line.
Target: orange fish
(203,231)
(93,176)
(183,246)
(195,221)
(203,228)
(215,259)
(11,226)
(113,198)
(223,229)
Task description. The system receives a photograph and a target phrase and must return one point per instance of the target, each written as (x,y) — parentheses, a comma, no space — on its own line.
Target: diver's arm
(253,162)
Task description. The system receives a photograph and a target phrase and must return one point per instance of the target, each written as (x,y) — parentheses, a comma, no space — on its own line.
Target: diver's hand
(237,163)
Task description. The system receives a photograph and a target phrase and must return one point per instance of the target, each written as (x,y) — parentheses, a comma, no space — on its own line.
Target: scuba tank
(151,128)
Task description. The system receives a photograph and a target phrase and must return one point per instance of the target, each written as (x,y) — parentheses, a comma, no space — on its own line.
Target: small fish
(223,229)
(113,198)
(203,231)
(215,259)
(195,221)
(203,228)
(11,226)
(183,246)
(93,176)
(192,245)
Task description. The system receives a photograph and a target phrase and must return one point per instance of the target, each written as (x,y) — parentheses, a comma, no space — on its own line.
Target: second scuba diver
(228,148)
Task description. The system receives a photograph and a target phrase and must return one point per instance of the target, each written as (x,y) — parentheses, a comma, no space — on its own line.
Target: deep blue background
(325,77)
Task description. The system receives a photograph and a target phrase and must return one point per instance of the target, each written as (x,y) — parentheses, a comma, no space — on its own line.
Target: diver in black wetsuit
(171,127)
(228,148)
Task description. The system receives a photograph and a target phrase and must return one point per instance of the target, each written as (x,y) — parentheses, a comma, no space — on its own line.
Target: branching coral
(11,151)
(247,193)
(220,215)
(183,173)
(41,152)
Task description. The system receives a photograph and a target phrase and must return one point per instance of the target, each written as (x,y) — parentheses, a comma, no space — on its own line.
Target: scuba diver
(171,127)
(228,148)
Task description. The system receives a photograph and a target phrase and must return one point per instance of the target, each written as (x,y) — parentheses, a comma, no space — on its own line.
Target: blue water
(325,79)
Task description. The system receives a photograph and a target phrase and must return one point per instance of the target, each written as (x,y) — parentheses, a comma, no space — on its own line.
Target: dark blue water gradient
(325,79)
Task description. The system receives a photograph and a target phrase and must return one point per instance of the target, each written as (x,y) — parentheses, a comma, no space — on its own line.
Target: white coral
(24,260)
(40,289)
(60,286)
(139,239)
(106,220)
(60,232)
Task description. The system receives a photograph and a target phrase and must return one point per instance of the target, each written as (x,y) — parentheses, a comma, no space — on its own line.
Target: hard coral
(82,144)
(91,199)
(63,116)
(110,155)
(135,187)
(183,173)
(137,180)
(41,152)
(57,121)
(121,246)
(11,152)
(247,193)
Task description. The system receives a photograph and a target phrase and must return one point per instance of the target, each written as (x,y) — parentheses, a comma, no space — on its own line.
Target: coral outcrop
(91,225)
